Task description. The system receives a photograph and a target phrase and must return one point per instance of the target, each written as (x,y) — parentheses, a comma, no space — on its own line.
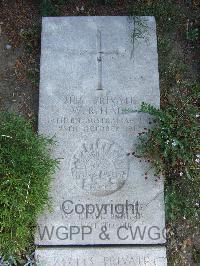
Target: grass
(168,15)
(31,40)
(103,2)
(48,8)
(26,169)
(173,146)
(51,7)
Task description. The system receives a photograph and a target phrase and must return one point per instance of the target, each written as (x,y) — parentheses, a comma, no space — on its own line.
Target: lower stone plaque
(101,256)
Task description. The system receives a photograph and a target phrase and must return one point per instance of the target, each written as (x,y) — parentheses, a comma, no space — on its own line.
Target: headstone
(93,80)
(83,256)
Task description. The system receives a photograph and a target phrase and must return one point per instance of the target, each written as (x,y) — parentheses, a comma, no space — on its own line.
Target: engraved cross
(99,59)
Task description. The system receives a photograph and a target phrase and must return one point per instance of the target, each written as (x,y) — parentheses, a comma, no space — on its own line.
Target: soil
(16,96)
(17,93)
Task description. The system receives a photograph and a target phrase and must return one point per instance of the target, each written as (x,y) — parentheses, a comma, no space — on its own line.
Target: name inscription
(127,260)
(98,114)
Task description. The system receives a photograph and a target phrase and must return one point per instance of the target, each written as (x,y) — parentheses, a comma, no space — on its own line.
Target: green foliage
(164,45)
(182,198)
(62,2)
(168,14)
(26,169)
(33,76)
(193,34)
(172,69)
(18,261)
(31,38)
(173,145)
(141,29)
(103,2)
(169,17)
(31,41)
(48,8)
(51,7)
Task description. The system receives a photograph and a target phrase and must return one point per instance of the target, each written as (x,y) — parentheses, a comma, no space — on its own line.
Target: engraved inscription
(101,114)
(100,167)
(104,260)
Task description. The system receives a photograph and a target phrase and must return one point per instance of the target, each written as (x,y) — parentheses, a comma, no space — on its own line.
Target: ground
(20,25)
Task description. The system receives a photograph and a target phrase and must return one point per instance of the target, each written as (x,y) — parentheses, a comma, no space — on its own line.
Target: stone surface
(84,256)
(93,79)
(8,46)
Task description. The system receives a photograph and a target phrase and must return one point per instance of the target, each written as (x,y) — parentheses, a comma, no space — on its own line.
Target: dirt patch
(17,93)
